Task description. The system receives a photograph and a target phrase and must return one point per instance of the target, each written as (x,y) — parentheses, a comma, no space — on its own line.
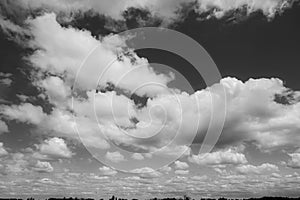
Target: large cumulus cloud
(255,114)
(252,113)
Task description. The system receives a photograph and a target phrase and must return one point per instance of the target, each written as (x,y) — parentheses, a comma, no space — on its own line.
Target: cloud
(137,156)
(56,90)
(56,58)
(165,169)
(247,120)
(253,115)
(64,61)
(146,172)
(181,165)
(20,163)
(199,178)
(6,81)
(58,123)
(3,127)
(114,156)
(252,112)
(276,175)
(53,148)
(173,150)
(25,112)
(294,162)
(220,171)
(251,169)
(268,7)
(3,152)
(111,8)
(23,162)
(181,172)
(17,163)
(167,10)
(63,123)
(106,171)
(229,156)
(8,26)
(13,31)
(43,167)
(5,77)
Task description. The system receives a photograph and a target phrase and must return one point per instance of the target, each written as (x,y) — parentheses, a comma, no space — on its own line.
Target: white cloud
(61,49)
(269,124)
(252,113)
(3,127)
(53,148)
(106,171)
(21,163)
(3,152)
(181,165)
(137,156)
(165,169)
(229,156)
(173,150)
(43,167)
(77,45)
(276,175)
(18,163)
(165,9)
(56,90)
(10,27)
(146,172)
(114,156)
(63,123)
(251,169)
(6,81)
(294,162)
(14,32)
(168,8)
(5,75)
(25,112)
(181,172)
(268,7)
(111,8)
(199,178)
(221,171)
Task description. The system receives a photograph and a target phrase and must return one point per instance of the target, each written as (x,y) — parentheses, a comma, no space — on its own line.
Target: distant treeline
(184,198)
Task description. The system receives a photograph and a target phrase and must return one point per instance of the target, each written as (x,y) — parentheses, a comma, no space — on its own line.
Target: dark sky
(251,48)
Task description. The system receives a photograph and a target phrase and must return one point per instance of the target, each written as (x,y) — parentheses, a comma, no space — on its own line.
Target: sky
(84,113)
